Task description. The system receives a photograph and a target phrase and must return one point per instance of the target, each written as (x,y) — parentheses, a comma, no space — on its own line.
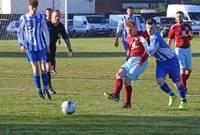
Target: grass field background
(84,79)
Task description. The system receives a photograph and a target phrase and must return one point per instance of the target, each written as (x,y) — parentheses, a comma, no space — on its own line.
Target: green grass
(83,79)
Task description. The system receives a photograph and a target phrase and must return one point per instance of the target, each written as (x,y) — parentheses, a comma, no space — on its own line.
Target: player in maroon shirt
(182,33)
(132,68)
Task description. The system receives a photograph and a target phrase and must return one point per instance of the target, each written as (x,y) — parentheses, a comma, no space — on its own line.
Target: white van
(191,12)
(90,25)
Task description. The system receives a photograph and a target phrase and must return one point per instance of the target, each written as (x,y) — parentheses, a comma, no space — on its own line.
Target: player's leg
(42,58)
(48,67)
(128,92)
(174,74)
(161,73)
(117,87)
(188,68)
(126,49)
(32,58)
(53,61)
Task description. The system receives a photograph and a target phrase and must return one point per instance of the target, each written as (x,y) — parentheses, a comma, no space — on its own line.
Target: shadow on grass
(76,54)
(99,124)
(63,54)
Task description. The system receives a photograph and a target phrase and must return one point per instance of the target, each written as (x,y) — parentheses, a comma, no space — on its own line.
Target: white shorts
(131,69)
(185,57)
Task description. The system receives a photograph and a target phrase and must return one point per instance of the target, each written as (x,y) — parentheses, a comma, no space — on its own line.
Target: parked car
(90,25)
(164,24)
(3,24)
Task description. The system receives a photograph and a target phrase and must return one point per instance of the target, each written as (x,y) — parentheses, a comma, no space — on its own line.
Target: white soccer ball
(68,107)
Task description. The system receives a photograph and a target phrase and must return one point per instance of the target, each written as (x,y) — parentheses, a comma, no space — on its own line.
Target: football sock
(36,78)
(166,89)
(181,91)
(49,79)
(45,81)
(128,92)
(118,87)
(183,79)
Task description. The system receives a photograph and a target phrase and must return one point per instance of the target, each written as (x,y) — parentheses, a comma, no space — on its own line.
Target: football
(68,107)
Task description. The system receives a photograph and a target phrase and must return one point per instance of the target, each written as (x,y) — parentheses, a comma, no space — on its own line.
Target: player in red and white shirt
(131,69)
(182,33)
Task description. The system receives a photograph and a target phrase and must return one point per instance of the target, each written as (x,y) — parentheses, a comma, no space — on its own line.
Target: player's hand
(70,54)
(23,48)
(139,63)
(116,43)
(142,38)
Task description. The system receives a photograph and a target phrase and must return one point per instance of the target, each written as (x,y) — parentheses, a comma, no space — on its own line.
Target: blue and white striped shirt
(121,25)
(158,48)
(30,32)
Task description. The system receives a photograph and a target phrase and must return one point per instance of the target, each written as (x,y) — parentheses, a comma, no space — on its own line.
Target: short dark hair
(33,3)
(151,21)
(180,12)
(49,9)
(129,7)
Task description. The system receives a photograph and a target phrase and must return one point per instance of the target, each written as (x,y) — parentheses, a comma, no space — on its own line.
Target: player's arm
(152,47)
(21,34)
(190,36)
(138,24)
(119,29)
(170,36)
(66,40)
(45,31)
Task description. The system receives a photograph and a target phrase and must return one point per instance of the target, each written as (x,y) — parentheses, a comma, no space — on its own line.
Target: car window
(168,20)
(96,19)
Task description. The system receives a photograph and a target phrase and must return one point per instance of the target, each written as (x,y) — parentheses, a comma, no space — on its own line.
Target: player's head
(32,6)
(55,17)
(151,26)
(129,11)
(179,16)
(48,12)
(131,27)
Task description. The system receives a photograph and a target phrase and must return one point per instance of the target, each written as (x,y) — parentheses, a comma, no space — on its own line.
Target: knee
(127,81)
(120,74)
(160,81)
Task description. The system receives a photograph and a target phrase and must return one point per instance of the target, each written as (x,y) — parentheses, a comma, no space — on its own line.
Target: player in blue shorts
(30,39)
(121,29)
(132,68)
(166,63)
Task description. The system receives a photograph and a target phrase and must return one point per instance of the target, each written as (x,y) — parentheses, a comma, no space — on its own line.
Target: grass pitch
(84,79)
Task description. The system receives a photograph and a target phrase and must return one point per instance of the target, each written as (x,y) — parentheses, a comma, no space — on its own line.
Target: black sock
(49,79)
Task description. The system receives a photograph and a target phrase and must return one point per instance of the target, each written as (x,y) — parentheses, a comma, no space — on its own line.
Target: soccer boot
(48,95)
(40,95)
(172,100)
(52,91)
(126,106)
(111,96)
(183,105)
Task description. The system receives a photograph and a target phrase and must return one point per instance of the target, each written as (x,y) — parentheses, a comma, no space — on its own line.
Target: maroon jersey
(135,46)
(182,34)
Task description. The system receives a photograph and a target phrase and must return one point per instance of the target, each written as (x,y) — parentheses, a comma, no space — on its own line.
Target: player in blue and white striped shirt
(121,28)
(30,40)
(166,63)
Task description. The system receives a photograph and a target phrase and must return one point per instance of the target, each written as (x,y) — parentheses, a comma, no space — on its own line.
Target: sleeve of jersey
(63,31)
(152,47)
(120,25)
(190,32)
(171,33)
(144,56)
(46,32)
(20,32)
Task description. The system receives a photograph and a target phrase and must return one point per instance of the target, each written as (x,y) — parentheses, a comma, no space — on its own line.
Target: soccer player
(182,33)
(48,13)
(166,63)
(56,29)
(121,28)
(132,68)
(30,39)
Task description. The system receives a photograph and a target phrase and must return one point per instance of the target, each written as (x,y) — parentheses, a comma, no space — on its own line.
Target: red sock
(128,92)
(118,87)
(187,76)
(183,80)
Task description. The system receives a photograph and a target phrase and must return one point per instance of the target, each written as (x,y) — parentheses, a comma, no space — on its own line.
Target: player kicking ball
(166,63)
(132,68)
